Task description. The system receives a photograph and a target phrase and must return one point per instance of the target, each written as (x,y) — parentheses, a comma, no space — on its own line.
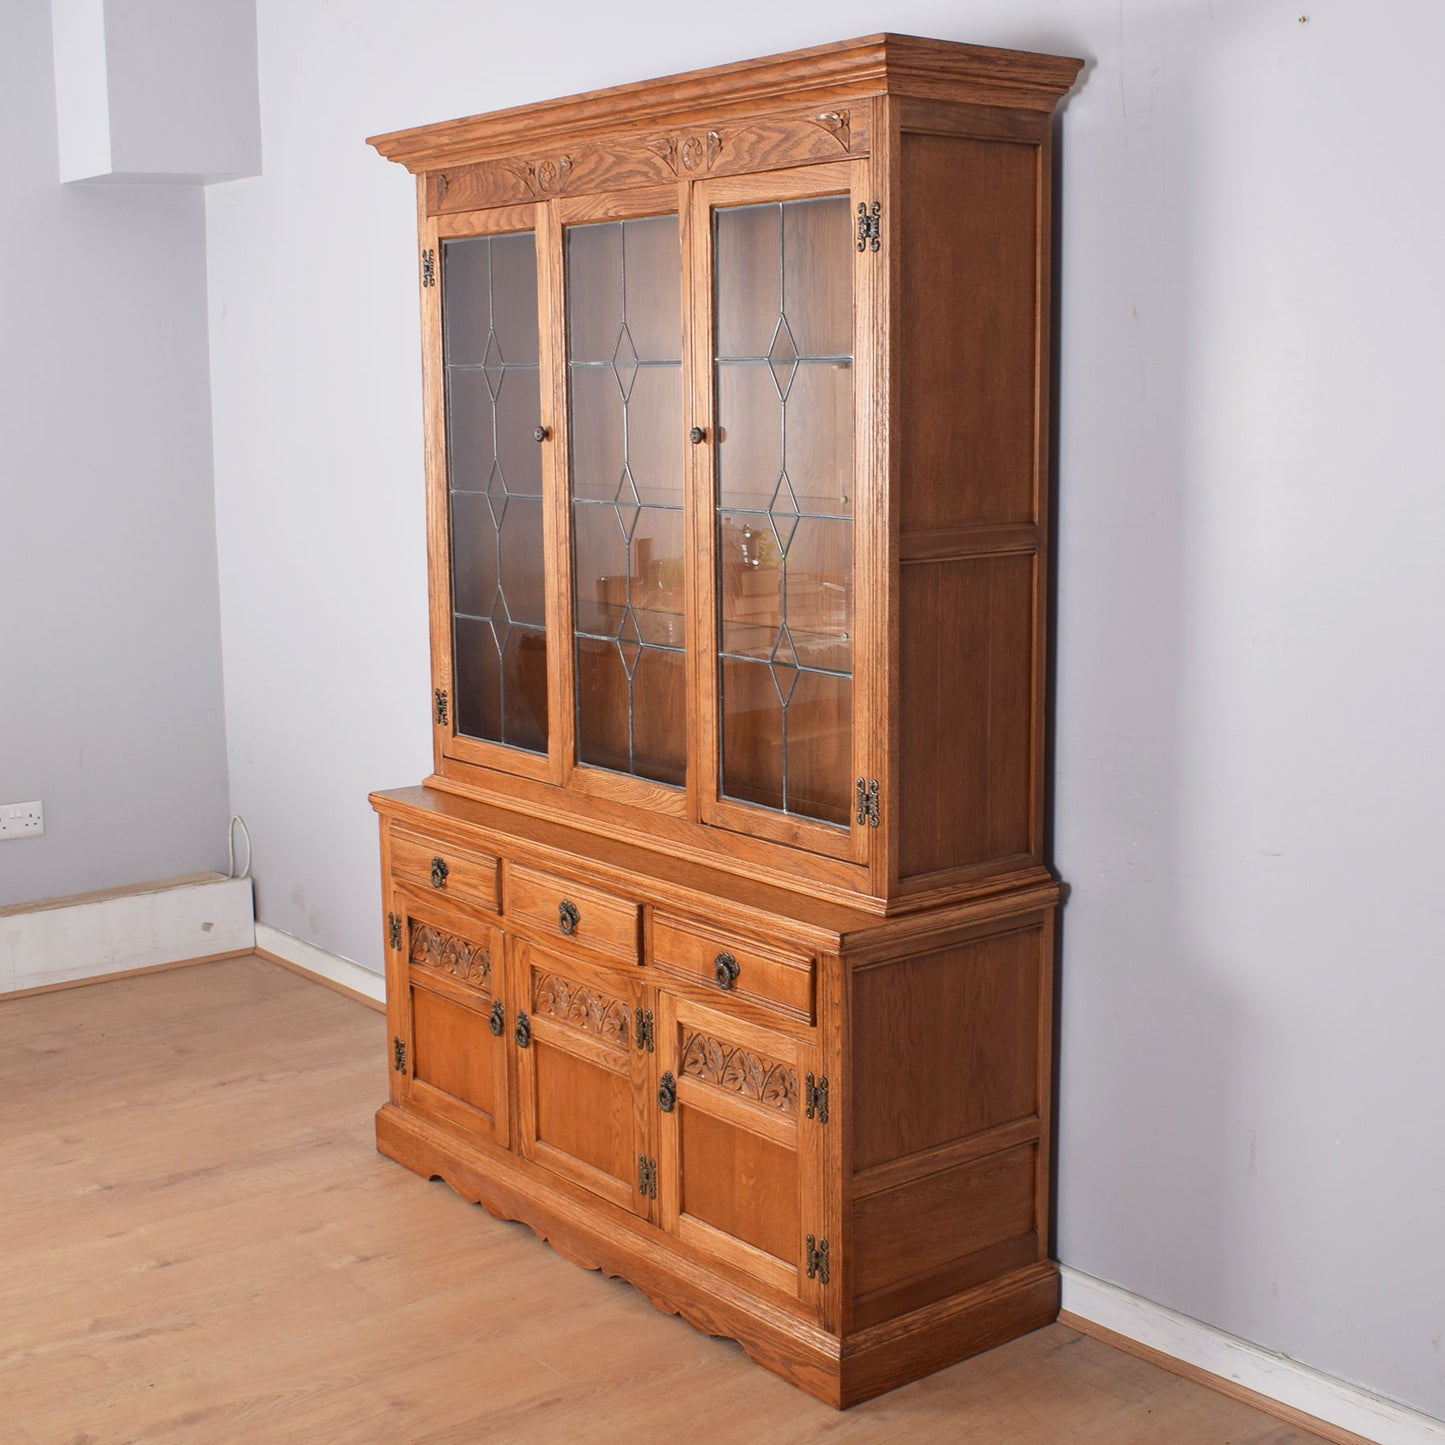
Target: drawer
(729,966)
(558,908)
(428,862)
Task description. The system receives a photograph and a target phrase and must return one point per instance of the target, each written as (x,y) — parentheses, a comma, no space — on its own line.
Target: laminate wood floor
(200,1244)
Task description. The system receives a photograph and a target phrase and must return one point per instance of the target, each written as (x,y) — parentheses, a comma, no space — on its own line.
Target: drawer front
(456,872)
(560,909)
(729,966)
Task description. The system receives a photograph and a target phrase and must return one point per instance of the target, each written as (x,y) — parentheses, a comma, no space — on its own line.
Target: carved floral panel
(740,1071)
(584,1008)
(446,953)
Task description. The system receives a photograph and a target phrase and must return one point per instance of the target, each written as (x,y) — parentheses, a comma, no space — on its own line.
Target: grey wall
(110,670)
(1250,595)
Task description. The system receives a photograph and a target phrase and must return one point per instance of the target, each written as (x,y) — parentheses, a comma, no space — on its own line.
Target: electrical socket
(21,820)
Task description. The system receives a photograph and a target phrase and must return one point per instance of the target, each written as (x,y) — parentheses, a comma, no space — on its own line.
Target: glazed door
(739,1175)
(624,524)
(784,369)
(448,1051)
(487,375)
(580,1076)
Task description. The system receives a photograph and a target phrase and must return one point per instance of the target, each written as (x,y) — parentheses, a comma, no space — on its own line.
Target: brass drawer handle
(439,871)
(498,1019)
(725,970)
(568,917)
(523,1032)
(667,1094)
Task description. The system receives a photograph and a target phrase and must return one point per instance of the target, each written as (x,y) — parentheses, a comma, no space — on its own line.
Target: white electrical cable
(231,848)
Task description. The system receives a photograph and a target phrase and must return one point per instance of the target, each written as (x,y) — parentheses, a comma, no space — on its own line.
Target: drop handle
(568,917)
(697,435)
(439,871)
(497,1020)
(725,971)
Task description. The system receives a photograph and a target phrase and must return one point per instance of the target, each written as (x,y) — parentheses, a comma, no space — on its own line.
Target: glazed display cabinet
(719,940)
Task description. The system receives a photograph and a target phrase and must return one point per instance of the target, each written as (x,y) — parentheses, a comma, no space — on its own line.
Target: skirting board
(1233,1362)
(329,968)
(93,935)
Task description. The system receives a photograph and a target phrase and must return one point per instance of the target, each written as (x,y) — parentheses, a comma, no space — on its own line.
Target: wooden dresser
(720,940)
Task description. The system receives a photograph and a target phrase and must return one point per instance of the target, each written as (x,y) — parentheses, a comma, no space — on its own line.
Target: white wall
(110,674)
(1250,595)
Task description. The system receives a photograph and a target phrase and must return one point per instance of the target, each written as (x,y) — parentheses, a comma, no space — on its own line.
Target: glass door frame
(848,842)
(449,742)
(591,779)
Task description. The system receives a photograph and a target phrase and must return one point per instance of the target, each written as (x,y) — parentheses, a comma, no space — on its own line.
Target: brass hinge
(817,1259)
(429,266)
(868,802)
(393,929)
(439,706)
(646,1177)
(398,1056)
(815,1098)
(644,1030)
(870,226)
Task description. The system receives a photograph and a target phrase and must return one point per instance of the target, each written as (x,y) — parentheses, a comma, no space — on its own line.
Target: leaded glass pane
(784,309)
(489,326)
(624,371)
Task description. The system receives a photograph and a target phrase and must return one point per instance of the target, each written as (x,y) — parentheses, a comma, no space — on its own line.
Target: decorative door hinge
(870,225)
(646,1177)
(429,266)
(815,1098)
(868,802)
(644,1030)
(393,929)
(398,1056)
(817,1259)
(439,709)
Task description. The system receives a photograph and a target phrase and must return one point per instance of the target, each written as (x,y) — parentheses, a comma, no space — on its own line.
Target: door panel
(579,1075)
(733,1179)
(783,357)
(456,1063)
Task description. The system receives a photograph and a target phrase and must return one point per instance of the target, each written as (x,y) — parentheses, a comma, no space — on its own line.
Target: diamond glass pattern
(624,373)
(783,307)
(490,347)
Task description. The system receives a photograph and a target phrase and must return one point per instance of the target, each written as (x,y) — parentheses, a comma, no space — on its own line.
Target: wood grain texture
(180,1268)
(826,75)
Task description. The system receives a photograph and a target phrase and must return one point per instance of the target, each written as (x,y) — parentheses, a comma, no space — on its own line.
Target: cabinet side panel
(968,333)
(945,1045)
(966,679)
(945,1233)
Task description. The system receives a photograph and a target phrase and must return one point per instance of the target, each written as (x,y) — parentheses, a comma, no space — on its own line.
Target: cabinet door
(739,1174)
(580,1077)
(784,375)
(625,521)
(451,1061)
(486,377)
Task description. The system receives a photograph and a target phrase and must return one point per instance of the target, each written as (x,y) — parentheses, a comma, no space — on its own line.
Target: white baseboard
(1350,1407)
(94,935)
(318,962)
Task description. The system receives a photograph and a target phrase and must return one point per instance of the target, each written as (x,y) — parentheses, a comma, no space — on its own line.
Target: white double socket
(21,820)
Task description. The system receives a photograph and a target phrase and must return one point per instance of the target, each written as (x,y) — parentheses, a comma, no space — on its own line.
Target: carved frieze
(547,177)
(584,1008)
(740,1071)
(838,124)
(446,953)
(685,154)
